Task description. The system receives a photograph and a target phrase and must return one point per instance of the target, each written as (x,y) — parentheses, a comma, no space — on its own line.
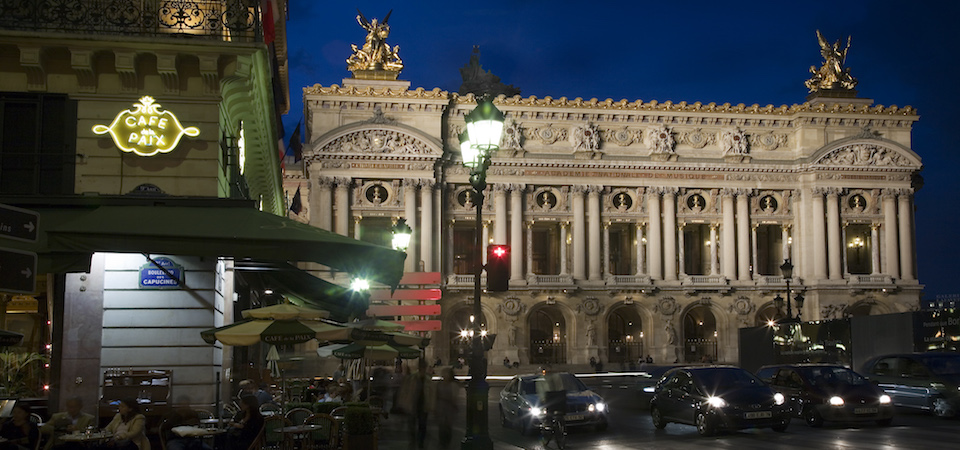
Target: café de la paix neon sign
(145,130)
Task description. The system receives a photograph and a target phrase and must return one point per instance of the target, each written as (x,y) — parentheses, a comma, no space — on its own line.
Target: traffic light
(498,268)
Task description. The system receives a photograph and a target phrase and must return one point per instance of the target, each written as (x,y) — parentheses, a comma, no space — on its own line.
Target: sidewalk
(393,435)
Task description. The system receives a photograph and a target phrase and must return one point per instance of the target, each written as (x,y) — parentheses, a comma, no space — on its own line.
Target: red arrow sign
(404,310)
(405,294)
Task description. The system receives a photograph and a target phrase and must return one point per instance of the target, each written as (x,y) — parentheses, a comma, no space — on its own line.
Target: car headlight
(601,407)
(778,398)
(649,389)
(836,401)
(884,399)
(536,411)
(716,402)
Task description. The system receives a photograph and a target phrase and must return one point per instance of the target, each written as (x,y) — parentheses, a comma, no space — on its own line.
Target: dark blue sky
(903,53)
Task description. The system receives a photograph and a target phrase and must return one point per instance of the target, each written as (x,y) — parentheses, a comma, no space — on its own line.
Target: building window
(38,141)
(546,250)
(769,250)
(858,249)
(377,230)
(464,245)
(622,245)
(696,249)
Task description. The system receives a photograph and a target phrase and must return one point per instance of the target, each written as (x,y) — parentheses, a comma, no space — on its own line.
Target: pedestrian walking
(446,407)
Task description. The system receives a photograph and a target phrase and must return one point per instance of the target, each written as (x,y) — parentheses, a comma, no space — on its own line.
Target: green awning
(302,287)
(197,227)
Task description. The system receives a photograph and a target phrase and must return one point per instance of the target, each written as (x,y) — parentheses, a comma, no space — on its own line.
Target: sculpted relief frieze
(864,155)
(378,141)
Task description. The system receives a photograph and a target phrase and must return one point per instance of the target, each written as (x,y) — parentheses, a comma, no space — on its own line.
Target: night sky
(902,53)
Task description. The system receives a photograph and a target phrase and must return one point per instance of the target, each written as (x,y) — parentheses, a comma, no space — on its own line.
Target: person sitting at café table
(247,425)
(127,428)
(19,431)
(69,421)
(182,416)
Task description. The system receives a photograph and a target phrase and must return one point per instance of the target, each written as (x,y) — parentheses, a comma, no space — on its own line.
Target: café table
(87,439)
(202,433)
(297,432)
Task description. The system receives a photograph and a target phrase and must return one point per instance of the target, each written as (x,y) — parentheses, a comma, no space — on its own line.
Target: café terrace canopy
(73,228)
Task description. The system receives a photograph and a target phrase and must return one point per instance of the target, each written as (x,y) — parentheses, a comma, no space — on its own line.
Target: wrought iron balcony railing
(224,20)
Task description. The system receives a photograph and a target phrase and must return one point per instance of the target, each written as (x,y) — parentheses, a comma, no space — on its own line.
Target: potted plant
(361,430)
(20,373)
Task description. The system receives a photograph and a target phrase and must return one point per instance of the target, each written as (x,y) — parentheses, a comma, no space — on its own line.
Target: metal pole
(789,310)
(477,435)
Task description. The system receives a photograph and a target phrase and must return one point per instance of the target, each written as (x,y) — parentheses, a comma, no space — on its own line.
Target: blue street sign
(153,277)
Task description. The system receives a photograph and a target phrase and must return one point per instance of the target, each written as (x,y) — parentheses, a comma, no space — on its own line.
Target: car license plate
(758,415)
(865,411)
(572,417)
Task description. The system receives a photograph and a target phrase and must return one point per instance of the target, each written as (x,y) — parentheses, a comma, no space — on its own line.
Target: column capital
(411,182)
(875,226)
(499,188)
(745,192)
(517,188)
(714,225)
(357,219)
(564,224)
(594,189)
(343,182)
(579,189)
(729,192)
(427,183)
(786,226)
(325,182)
(670,190)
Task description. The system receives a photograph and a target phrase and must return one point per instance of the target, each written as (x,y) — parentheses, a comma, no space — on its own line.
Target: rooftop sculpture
(375,60)
(832,76)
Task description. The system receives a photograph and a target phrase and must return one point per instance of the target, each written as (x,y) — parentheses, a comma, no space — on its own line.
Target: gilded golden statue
(375,59)
(832,74)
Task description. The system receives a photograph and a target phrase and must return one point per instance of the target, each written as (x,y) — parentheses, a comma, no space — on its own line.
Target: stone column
(874,249)
(606,250)
(356,227)
(449,247)
(500,214)
(593,236)
(579,234)
(728,249)
(563,247)
(713,249)
(890,246)
(427,225)
(342,205)
(743,235)
(834,245)
(753,235)
(516,233)
(410,213)
(485,237)
(905,220)
(639,248)
(843,249)
(670,234)
(681,253)
(654,251)
(819,235)
(529,250)
(321,203)
(785,241)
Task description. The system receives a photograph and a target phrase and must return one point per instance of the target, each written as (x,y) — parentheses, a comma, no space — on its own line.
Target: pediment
(366,139)
(868,153)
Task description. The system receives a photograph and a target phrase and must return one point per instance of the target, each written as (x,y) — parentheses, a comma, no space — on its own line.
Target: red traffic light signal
(498,268)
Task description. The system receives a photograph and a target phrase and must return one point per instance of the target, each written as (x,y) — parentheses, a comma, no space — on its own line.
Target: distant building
(636,227)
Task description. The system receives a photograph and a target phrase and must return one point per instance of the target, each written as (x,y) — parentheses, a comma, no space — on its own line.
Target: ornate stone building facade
(635,227)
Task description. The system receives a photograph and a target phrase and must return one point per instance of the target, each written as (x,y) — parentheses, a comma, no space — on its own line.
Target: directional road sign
(17,223)
(18,271)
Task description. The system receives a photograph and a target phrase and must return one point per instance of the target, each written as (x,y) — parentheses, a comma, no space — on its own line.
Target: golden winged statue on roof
(375,55)
(832,74)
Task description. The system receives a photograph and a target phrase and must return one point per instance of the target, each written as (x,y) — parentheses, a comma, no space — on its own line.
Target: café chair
(296,416)
(273,439)
(327,437)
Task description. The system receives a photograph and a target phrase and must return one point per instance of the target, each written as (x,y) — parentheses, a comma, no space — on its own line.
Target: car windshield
(725,378)
(832,376)
(943,365)
(528,386)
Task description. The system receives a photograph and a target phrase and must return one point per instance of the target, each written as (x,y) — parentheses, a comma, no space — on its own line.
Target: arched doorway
(858,309)
(624,336)
(767,315)
(548,336)
(459,334)
(699,335)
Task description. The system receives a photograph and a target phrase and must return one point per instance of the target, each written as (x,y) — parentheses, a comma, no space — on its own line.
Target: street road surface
(631,428)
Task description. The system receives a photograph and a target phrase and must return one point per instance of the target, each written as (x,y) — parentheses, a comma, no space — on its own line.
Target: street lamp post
(484,128)
(401,235)
(787,269)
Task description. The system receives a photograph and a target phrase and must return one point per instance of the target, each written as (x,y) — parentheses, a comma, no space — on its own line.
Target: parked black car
(717,397)
(831,392)
(927,381)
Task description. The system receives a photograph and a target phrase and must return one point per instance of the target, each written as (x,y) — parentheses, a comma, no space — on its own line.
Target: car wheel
(885,422)
(942,409)
(781,425)
(812,417)
(705,425)
(503,419)
(658,421)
